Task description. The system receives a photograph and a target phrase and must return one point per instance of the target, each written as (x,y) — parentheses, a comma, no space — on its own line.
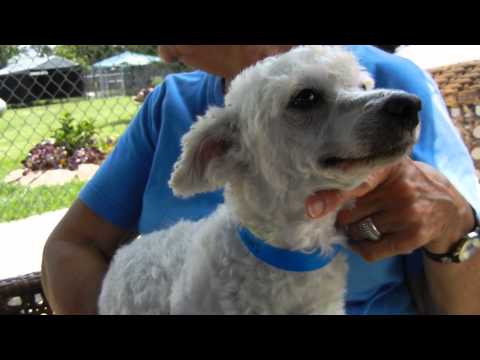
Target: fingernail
(315,209)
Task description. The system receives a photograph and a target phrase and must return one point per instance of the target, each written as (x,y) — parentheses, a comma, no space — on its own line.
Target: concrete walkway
(22,241)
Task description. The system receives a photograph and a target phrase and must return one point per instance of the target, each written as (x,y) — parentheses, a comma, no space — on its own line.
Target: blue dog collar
(283,259)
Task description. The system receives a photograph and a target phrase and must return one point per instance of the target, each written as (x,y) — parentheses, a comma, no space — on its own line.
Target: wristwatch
(462,250)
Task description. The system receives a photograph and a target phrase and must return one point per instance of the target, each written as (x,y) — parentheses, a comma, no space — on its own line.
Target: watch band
(462,250)
(448,257)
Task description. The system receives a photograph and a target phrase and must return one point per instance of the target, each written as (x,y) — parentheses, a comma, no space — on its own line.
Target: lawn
(21,129)
(18,202)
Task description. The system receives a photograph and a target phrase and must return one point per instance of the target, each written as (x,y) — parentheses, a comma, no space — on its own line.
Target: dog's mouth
(383,157)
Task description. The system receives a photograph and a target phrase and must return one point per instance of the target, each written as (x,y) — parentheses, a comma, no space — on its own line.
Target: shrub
(73,145)
(106,145)
(74,136)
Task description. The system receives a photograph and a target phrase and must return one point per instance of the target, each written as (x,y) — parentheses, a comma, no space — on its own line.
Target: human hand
(410,203)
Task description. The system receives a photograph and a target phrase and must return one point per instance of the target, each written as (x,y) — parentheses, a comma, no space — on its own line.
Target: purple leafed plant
(48,156)
(72,146)
(85,155)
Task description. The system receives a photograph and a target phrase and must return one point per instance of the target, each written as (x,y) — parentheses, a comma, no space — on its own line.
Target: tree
(6,52)
(42,50)
(87,55)
(144,49)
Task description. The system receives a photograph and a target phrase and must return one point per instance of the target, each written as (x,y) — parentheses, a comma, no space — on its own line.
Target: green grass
(23,128)
(18,202)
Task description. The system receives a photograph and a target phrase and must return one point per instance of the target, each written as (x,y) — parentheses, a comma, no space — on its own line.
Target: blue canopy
(127,58)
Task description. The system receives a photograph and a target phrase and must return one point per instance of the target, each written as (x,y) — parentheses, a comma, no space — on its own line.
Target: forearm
(453,288)
(76,258)
(72,275)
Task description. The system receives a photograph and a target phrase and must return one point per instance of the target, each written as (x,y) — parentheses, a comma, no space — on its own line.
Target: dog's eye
(305,99)
(367,85)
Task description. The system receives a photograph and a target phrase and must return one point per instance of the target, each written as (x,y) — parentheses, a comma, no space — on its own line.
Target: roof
(459,83)
(24,63)
(127,58)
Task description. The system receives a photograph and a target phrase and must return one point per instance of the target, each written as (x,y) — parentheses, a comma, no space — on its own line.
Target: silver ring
(369,230)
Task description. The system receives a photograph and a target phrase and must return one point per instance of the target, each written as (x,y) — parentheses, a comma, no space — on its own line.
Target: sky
(425,56)
(432,56)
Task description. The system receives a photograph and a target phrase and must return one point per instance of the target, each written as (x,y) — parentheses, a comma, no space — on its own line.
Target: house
(26,79)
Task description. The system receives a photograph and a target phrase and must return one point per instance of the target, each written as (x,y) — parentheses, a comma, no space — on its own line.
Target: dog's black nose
(404,108)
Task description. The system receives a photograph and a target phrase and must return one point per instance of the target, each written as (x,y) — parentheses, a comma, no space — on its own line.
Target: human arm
(76,258)
(78,251)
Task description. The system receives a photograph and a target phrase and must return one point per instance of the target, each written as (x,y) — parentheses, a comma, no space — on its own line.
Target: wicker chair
(23,295)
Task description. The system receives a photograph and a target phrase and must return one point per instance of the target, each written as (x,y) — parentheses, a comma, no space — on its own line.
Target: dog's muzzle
(401,110)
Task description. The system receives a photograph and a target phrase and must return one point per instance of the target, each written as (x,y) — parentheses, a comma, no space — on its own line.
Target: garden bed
(51,177)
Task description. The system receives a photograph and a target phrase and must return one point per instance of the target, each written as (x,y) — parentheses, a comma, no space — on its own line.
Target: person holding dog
(409,229)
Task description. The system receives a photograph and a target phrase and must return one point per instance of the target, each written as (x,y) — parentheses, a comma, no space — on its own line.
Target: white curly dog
(293,124)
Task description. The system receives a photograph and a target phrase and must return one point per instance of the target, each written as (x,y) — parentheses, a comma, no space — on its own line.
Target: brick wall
(460,86)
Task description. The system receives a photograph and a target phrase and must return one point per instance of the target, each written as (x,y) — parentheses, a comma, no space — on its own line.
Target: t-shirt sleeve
(116,191)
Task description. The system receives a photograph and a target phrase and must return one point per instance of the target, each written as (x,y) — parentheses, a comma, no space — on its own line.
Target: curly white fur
(269,156)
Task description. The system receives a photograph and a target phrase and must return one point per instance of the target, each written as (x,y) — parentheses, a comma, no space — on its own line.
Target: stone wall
(460,87)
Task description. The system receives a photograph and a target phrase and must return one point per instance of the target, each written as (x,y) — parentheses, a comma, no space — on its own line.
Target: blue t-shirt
(131,188)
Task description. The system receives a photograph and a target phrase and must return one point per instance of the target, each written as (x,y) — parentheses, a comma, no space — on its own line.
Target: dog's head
(305,119)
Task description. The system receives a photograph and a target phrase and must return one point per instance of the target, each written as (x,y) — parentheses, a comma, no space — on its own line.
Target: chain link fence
(37,94)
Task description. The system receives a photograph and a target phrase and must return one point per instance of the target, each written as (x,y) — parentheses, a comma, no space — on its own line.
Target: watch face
(468,249)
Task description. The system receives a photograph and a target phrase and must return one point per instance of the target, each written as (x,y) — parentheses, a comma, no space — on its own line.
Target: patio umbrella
(125,59)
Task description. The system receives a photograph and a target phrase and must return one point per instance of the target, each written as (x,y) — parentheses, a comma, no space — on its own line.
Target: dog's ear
(209,154)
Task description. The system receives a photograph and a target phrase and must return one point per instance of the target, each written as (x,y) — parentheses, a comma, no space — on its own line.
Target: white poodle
(293,124)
